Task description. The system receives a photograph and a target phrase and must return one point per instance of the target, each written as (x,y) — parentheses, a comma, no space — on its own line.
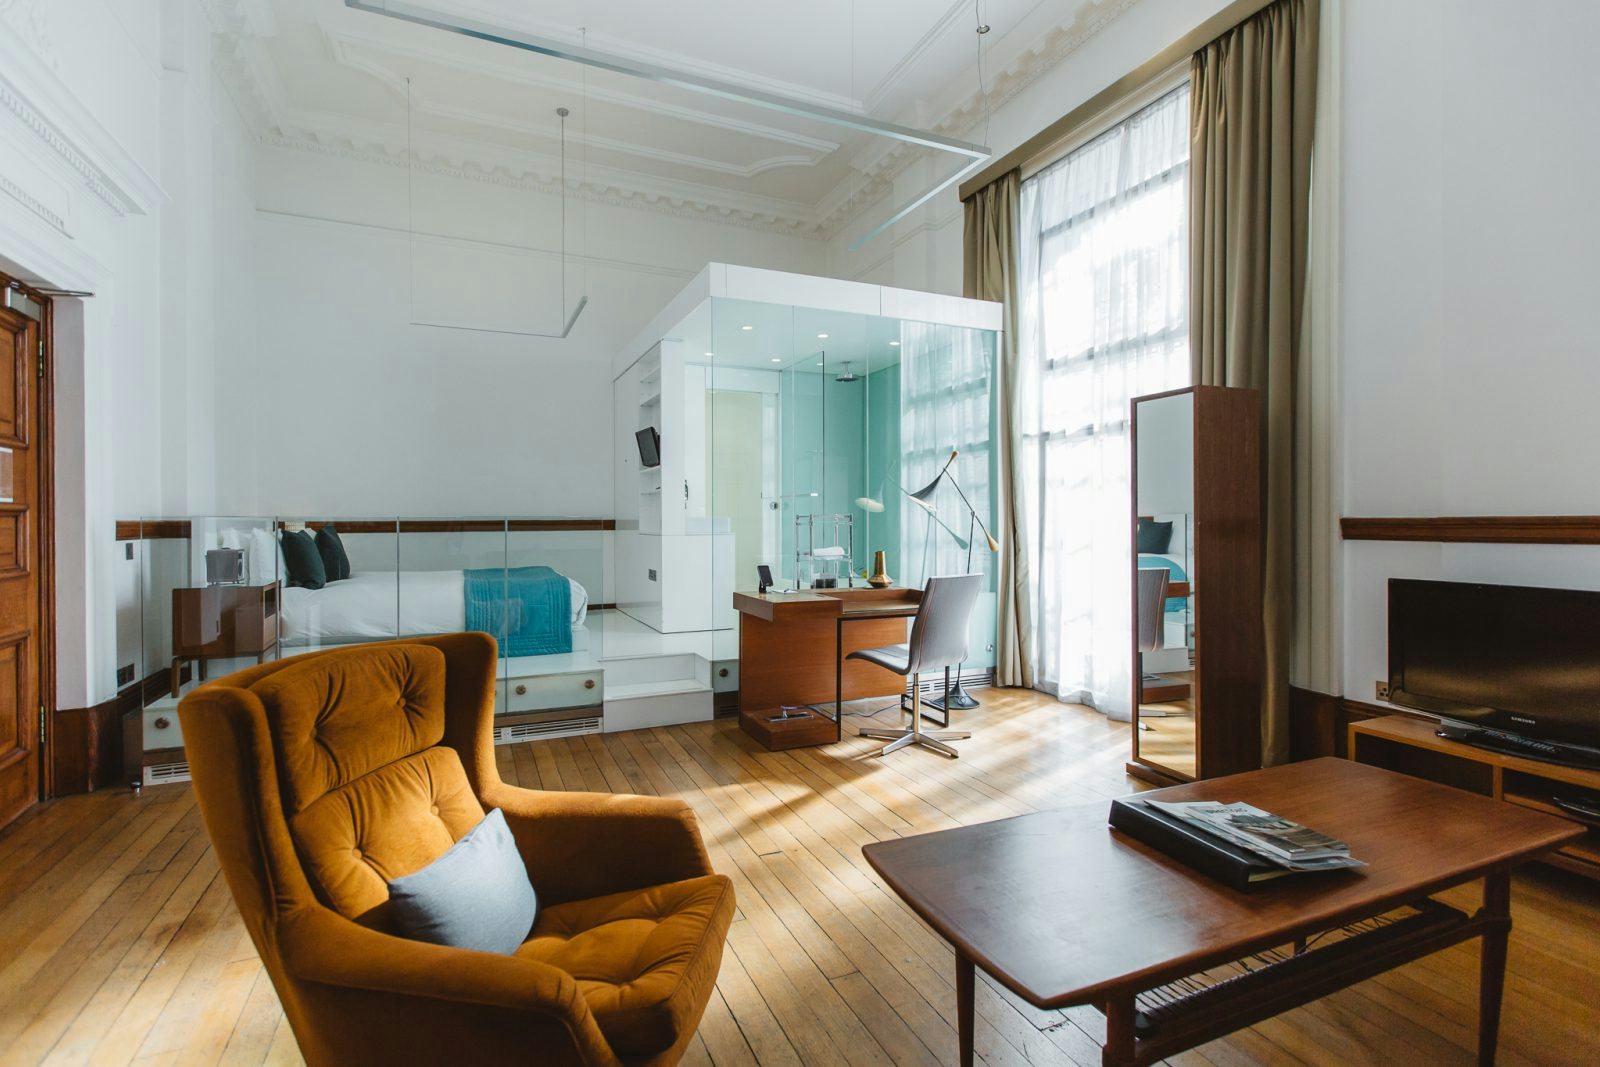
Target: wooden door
(21,625)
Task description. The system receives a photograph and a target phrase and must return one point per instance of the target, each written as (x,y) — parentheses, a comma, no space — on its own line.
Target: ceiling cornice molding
(889,82)
(341,41)
(662,199)
(1022,70)
(657,56)
(423,103)
(33,91)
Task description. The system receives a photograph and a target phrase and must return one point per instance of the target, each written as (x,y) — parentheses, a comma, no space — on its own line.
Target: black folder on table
(1226,862)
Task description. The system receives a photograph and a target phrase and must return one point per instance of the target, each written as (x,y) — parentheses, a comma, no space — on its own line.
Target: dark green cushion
(1154,536)
(331,548)
(300,555)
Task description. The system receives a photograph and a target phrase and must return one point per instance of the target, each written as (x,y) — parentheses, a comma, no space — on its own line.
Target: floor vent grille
(162,773)
(541,731)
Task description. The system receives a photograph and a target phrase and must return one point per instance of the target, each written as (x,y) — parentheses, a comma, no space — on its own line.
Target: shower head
(848,375)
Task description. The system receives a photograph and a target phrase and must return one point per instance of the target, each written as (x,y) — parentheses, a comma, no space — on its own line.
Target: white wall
(347,408)
(125,170)
(1469,236)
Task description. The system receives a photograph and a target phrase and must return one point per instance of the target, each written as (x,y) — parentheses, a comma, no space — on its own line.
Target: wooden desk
(792,646)
(1063,910)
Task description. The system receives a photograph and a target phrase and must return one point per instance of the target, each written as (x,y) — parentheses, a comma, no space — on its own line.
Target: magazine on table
(1272,837)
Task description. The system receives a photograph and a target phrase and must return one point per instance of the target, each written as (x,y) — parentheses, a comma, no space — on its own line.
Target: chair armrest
(504,1000)
(581,845)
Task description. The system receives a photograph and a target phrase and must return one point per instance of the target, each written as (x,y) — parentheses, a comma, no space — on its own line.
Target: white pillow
(265,559)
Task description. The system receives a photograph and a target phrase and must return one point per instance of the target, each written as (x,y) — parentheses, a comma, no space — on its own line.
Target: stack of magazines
(1238,844)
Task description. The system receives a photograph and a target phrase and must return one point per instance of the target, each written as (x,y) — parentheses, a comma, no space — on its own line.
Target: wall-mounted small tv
(649,447)
(1506,667)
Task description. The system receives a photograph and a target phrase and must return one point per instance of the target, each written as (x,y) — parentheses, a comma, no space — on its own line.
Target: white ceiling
(319,73)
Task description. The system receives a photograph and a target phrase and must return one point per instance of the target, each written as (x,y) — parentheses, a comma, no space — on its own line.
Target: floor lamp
(955,696)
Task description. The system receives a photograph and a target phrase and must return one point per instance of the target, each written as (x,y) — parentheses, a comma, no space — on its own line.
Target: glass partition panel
(341,611)
(164,558)
(824,423)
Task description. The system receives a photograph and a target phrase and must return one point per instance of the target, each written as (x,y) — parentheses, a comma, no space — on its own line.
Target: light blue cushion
(476,895)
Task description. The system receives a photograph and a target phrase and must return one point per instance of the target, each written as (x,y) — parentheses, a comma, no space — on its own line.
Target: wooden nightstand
(218,621)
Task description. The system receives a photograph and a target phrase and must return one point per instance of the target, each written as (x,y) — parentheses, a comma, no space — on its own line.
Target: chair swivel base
(903,738)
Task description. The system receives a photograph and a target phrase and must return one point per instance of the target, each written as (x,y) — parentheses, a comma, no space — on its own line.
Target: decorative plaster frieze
(33,204)
(968,115)
(596,191)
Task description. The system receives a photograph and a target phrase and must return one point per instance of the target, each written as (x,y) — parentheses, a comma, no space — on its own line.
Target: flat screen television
(1506,667)
(649,447)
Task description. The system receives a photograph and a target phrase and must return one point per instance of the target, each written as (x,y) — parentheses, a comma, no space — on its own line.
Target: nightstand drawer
(160,727)
(539,692)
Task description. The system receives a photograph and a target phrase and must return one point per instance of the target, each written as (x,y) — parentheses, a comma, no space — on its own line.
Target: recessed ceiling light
(775,359)
(708,353)
(822,337)
(747,327)
(819,364)
(894,344)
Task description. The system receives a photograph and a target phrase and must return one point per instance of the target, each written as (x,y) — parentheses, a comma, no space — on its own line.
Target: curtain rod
(1111,96)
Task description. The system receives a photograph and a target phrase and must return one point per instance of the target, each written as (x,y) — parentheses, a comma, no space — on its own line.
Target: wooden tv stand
(1411,746)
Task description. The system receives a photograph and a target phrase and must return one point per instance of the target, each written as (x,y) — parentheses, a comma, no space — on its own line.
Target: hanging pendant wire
(983,93)
(568,321)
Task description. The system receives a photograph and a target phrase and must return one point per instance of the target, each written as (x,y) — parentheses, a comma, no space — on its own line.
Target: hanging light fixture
(562,113)
(974,156)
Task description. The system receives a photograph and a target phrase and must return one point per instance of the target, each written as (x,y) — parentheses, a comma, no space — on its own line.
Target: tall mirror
(1163,583)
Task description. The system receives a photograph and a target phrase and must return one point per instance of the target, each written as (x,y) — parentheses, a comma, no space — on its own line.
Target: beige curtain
(989,272)
(1252,109)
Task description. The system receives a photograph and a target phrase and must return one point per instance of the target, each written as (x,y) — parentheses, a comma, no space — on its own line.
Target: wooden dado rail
(1478,529)
(133,530)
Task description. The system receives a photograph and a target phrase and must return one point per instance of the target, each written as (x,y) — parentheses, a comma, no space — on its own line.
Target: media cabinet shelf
(1412,746)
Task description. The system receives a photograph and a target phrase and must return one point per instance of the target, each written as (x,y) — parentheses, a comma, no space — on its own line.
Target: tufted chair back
(368,790)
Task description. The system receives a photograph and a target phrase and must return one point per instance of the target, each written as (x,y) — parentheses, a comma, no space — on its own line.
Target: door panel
(19,566)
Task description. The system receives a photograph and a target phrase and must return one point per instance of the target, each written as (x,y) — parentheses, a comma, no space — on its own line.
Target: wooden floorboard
(119,943)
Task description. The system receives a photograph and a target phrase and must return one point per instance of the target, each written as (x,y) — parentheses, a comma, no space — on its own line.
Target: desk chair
(938,640)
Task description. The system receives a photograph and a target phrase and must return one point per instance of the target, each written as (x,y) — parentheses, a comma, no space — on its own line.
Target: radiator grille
(162,773)
(539,731)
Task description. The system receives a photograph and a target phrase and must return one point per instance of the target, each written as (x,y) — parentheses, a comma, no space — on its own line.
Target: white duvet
(363,607)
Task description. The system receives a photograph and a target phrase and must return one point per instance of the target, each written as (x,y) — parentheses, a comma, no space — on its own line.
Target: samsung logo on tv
(1523,720)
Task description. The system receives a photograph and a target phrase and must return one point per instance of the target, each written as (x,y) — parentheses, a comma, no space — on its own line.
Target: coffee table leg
(1492,962)
(964,1007)
(1118,1049)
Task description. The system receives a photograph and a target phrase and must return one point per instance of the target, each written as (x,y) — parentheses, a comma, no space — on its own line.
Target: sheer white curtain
(1103,318)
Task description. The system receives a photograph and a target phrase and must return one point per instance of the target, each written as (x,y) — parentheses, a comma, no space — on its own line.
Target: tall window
(1104,296)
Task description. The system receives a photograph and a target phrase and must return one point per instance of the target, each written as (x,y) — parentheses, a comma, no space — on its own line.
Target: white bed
(363,607)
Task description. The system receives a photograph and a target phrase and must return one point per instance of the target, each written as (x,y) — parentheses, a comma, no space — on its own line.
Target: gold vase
(880,575)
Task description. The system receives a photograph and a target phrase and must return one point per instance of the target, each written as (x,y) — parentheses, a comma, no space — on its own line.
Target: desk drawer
(540,692)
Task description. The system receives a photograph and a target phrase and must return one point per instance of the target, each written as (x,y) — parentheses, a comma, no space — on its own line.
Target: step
(645,710)
(643,669)
(665,687)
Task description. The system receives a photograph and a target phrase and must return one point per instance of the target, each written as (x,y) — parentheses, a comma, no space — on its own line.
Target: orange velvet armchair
(323,776)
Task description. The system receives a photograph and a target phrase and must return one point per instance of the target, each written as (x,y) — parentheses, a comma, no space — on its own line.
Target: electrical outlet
(652,574)
(125,675)
(1383,690)
(128,548)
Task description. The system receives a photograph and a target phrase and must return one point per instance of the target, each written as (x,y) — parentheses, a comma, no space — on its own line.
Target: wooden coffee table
(1063,910)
